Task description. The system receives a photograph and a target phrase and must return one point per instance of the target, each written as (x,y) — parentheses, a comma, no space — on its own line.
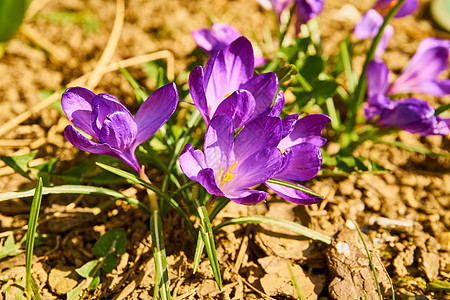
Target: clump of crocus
(371,21)
(227,86)
(420,75)
(219,37)
(106,120)
(267,147)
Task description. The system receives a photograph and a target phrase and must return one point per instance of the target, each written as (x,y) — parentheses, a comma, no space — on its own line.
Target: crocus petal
(288,124)
(384,6)
(197,92)
(218,146)
(306,10)
(240,106)
(430,59)
(413,115)
(264,88)
(76,104)
(256,169)
(377,78)
(257,134)
(206,178)
(260,61)
(205,39)
(118,131)
(376,104)
(228,70)
(102,106)
(81,142)
(293,195)
(249,197)
(192,161)
(155,112)
(304,163)
(369,24)
(278,105)
(307,129)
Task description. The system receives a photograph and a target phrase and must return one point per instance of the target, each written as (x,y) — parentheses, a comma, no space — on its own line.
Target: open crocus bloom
(302,157)
(411,114)
(105,119)
(229,167)
(384,6)
(227,86)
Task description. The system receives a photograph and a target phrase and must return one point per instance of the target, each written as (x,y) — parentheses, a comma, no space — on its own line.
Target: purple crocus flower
(105,119)
(230,166)
(302,157)
(220,36)
(420,75)
(411,114)
(227,86)
(371,21)
(306,10)
(217,38)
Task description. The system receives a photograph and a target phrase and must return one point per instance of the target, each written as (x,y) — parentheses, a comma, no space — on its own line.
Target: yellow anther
(228,95)
(227,176)
(282,150)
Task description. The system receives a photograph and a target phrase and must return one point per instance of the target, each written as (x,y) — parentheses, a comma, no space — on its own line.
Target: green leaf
(295,282)
(10,248)
(11,17)
(284,73)
(74,189)
(442,109)
(297,228)
(411,148)
(113,241)
(110,262)
(198,253)
(88,269)
(208,239)
(159,254)
(293,186)
(94,283)
(75,294)
(32,225)
(19,163)
(439,285)
(311,67)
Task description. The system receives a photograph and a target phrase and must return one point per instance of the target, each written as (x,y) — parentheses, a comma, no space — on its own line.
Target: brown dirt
(405,213)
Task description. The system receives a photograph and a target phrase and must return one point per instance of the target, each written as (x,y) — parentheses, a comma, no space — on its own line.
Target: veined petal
(155,112)
(293,195)
(307,129)
(304,164)
(76,103)
(102,106)
(228,70)
(377,78)
(259,133)
(430,59)
(192,161)
(288,124)
(82,143)
(206,178)
(118,131)
(264,88)
(225,35)
(197,92)
(256,169)
(249,197)
(219,143)
(240,106)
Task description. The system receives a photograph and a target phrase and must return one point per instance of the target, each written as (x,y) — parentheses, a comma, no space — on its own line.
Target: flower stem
(153,198)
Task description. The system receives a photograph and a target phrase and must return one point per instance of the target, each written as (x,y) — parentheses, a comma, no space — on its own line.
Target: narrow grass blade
(31,232)
(208,238)
(133,178)
(441,109)
(297,228)
(159,254)
(439,285)
(295,282)
(140,94)
(74,189)
(198,253)
(347,63)
(410,148)
(372,266)
(293,186)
